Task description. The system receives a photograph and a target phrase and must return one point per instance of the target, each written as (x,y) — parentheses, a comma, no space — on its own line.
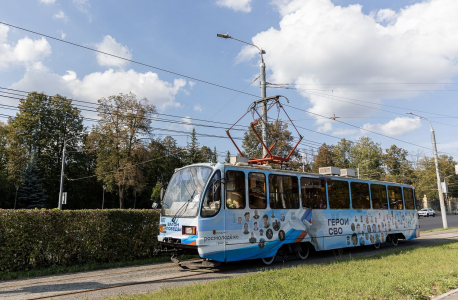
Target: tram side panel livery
(229,213)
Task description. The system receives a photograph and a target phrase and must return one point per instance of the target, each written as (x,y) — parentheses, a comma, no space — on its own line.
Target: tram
(238,211)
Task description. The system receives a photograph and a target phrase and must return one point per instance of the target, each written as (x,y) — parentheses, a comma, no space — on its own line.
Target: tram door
(212,222)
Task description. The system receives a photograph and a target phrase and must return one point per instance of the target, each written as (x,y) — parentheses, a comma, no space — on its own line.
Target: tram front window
(185,191)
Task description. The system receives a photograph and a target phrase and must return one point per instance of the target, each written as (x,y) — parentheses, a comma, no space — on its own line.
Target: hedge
(41,238)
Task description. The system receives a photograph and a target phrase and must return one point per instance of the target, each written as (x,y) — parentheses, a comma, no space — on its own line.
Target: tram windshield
(184,192)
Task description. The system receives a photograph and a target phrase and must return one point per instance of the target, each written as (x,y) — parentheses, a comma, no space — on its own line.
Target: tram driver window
(378,194)
(395,197)
(283,191)
(409,199)
(235,189)
(212,199)
(257,190)
(360,195)
(313,192)
(339,194)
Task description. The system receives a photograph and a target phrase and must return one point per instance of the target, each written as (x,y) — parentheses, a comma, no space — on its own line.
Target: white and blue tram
(238,212)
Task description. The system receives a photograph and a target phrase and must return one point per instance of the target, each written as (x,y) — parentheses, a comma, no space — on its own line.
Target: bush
(32,239)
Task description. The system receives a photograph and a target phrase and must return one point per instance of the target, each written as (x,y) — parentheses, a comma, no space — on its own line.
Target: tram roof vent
(329,171)
(238,159)
(347,172)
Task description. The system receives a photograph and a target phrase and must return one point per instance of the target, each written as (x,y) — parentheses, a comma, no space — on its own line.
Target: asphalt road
(142,279)
(428,223)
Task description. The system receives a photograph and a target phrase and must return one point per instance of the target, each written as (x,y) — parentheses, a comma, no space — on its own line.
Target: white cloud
(61,15)
(197,107)
(83,6)
(26,51)
(63,35)
(318,42)
(109,45)
(236,5)
(398,126)
(48,1)
(103,84)
(187,126)
(191,84)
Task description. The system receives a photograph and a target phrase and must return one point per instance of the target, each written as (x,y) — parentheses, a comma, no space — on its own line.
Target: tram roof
(291,172)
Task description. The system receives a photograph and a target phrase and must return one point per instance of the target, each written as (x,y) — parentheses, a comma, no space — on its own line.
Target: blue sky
(367,62)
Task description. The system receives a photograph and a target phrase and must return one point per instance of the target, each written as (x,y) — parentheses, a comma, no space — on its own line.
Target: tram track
(126,284)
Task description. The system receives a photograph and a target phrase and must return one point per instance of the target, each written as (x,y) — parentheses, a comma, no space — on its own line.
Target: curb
(443,296)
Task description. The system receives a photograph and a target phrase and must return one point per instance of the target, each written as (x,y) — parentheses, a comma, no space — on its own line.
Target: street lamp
(439,188)
(15,198)
(263,88)
(103,197)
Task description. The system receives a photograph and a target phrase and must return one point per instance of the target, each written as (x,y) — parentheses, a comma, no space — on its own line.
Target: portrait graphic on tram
(367,219)
(361,241)
(369,228)
(383,237)
(276,225)
(374,228)
(354,239)
(245,228)
(367,236)
(352,226)
(356,219)
(358,228)
(348,240)
(262,243)
(377,237)
(252,238)
(261,232)
(269,233)
(281,235)
(378,227)
(247,217)
(239,220)
(265,218)
(283,218)
(256,216)
(361,218)
(375,220)
(389,226)
(273,214)
(372,239)
(364,227)
(255,226)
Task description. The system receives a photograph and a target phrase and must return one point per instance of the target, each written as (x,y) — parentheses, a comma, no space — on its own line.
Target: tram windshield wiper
(183,208)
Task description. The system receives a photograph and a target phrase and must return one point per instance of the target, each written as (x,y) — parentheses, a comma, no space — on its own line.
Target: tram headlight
(163,228)
(189,230)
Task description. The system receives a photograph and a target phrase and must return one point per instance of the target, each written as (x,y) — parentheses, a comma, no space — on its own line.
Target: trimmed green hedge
(40,238)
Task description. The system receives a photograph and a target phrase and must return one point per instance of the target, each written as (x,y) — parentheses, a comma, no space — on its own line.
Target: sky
(366,62)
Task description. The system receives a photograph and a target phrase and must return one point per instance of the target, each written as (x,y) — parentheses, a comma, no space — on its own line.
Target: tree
(324,158)
(117,140)
(278,133)
(228,157)
(368,156)
(194,154)
(206,154)
(342,154)
(31,192)
(214,156)
(41,127)
(398,167)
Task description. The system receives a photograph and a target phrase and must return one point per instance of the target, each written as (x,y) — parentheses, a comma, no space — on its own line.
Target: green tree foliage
(398,167)
(426,181)
(324,157)
(31,193)
(228,157)
(368,155)
(194,153)
(117,141)
(214,156)
(342,154)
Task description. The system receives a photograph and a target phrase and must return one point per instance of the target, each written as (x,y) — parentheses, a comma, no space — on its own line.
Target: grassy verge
(439,229)
(87,267)
(408,273)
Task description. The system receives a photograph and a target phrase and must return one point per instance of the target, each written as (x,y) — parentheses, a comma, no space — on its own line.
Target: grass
(53,270)
(408,273)
(439,229)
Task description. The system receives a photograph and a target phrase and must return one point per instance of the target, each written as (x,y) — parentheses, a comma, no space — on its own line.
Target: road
(428,223)
(142,279)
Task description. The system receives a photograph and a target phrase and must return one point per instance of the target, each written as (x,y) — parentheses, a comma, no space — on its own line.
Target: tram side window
(235,189)
(339,194)
(360,195)
(257,190)
(313,193)
(409,199)
(378,194)
(283,191)
(395,196)
(212,199)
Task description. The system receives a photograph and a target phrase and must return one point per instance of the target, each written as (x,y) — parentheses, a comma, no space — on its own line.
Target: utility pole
(15,198)
(262,67)
(62,178)
(436,161)
(103,196)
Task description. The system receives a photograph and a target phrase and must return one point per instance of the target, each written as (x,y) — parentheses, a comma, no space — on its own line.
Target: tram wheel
(394,240)
(377,245)
(268,260)
(304,253)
